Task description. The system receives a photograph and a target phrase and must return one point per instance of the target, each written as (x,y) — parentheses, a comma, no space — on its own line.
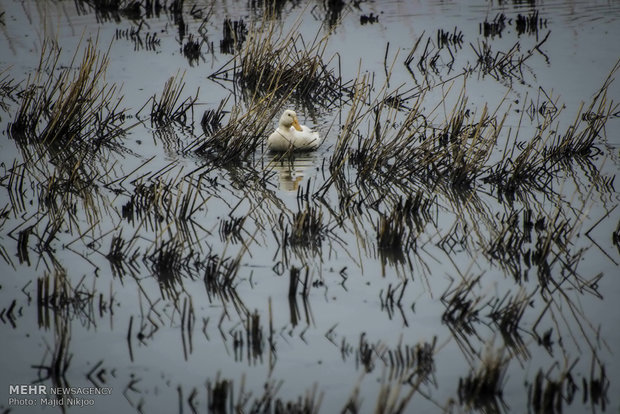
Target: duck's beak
(296,124)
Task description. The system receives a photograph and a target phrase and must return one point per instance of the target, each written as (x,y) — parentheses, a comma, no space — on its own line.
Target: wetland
(453,244)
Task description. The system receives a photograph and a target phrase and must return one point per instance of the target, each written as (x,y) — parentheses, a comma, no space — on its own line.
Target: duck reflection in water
(292,169)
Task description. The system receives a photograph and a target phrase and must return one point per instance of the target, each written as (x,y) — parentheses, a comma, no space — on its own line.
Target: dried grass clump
(505,67)
(67,122)
(469,146)
(534,164)
(575,143)
(348,132)
(394,143)
(526,170)
(456,151)
(72,114)
(167,108)
(271,62)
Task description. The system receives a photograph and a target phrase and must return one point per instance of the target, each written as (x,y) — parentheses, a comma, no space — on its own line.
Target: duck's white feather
(287,138)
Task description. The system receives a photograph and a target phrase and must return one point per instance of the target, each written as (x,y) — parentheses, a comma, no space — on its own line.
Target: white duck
(290,136)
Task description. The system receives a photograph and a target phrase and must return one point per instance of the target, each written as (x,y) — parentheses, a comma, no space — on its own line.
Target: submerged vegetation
(469,221)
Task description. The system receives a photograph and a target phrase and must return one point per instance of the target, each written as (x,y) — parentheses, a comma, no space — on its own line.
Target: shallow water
(162,337)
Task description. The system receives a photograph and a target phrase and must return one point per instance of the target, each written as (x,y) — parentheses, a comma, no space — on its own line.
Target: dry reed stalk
(167,108)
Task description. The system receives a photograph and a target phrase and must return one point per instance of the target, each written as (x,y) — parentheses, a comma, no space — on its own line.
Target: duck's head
(289,119)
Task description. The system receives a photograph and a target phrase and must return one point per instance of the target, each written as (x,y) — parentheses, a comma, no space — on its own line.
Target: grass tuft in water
(167,108)
(271,62)
(72,113)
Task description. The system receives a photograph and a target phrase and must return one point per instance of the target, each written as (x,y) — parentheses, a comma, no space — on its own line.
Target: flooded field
(453,245)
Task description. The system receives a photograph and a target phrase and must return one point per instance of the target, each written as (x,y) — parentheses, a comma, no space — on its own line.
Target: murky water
(163,276)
